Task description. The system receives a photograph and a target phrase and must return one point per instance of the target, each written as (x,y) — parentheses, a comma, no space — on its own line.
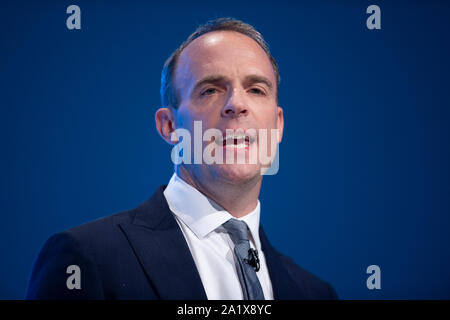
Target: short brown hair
(169,94)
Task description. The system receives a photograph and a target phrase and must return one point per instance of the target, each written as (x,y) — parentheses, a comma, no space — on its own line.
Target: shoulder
(101,229)
(84,247)
(313,286)
(99,249)
(102,237)
(302,283)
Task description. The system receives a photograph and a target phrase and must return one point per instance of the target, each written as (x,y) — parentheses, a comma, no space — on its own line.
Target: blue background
(364,165)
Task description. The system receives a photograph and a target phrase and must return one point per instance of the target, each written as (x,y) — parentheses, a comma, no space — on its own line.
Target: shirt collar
(201,214)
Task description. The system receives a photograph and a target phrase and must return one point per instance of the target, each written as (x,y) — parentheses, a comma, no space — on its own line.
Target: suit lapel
(284,287)
(161,248)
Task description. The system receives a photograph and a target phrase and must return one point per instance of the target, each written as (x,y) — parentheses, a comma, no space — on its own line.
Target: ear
(280,123)
(165,125)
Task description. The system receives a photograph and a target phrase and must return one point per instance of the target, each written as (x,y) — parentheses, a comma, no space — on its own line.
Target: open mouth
(238,141)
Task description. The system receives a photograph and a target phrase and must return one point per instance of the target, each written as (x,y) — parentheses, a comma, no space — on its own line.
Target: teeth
(237,136)
(236,139)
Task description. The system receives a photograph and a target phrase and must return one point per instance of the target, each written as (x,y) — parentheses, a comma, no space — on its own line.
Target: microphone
(253,259)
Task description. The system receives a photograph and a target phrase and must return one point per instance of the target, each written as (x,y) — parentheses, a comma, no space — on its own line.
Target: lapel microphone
(253,259)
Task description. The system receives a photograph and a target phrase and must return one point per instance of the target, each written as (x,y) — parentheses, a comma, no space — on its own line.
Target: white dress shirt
(200,220)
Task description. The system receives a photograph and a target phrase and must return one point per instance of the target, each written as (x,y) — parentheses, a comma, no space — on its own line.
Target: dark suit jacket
(142,254)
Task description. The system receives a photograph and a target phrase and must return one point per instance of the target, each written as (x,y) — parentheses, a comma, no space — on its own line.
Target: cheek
(208,112)
(186,118)
(268,120)
(208,108)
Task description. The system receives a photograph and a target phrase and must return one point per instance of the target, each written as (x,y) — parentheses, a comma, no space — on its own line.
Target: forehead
(226,53)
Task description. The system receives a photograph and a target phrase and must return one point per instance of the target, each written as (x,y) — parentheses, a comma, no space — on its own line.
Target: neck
(238,199)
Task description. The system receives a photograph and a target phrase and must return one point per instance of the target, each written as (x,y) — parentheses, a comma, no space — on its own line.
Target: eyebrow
(210,79)
(254,78)
(250,79)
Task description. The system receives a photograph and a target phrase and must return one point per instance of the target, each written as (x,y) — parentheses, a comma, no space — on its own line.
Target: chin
(237,173)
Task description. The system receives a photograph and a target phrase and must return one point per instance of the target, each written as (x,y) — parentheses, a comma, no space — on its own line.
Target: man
(199,237)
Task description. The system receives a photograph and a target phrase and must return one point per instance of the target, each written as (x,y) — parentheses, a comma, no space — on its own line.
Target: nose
(235,106)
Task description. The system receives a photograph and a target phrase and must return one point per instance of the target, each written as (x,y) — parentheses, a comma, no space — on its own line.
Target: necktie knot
(237,229)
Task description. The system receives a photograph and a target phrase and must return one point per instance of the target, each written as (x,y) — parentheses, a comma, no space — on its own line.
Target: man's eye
(208,92)
(257,91)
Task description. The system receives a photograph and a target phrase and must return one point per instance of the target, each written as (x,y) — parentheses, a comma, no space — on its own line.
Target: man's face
(225,80)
